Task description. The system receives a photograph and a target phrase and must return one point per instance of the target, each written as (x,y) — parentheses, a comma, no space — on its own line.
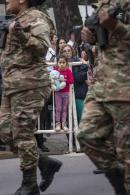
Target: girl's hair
(32,3)
(63,57)
(62,49)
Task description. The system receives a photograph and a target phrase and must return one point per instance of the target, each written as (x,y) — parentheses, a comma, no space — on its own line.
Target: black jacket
(80,76)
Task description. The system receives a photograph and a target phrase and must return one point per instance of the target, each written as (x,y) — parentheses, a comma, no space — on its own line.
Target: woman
(60,43)
(51,53)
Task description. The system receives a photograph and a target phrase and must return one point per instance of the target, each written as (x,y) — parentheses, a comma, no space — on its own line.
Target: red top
(68,76)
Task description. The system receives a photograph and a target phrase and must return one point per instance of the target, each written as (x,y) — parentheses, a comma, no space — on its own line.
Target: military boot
(29,184)
(116,178)
(48,167)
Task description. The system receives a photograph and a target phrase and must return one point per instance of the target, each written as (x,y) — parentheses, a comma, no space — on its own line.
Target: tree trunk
(66,14)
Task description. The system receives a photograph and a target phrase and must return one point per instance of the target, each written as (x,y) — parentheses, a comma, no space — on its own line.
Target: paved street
(75,177)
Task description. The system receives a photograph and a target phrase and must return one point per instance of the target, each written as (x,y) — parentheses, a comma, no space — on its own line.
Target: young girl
(62,96)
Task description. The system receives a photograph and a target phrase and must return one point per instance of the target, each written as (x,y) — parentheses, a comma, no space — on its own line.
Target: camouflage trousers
(104,135)
(18,121)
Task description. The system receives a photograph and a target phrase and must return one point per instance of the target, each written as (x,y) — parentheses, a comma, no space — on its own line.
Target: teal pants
(79,108)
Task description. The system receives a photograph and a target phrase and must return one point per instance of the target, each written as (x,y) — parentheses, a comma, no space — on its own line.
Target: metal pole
(2,7)
(86,6)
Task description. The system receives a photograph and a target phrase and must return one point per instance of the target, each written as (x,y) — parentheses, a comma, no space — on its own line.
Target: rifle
(86,8)
(101,34)
(4,23)
(88,49)
(86,46)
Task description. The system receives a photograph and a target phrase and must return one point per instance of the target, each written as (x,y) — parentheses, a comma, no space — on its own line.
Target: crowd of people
(70,50)
(103,120)
(61,52)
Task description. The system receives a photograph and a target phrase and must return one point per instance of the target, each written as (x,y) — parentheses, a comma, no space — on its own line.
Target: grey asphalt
(74,178)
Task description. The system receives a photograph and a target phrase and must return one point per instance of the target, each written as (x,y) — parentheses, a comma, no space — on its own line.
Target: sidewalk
(57,144)
(7,155)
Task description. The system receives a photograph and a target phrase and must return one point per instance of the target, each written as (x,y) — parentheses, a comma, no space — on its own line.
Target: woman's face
(94,50)
(62,42)
(67,52)
(72,37)
(54,40)
(84,55)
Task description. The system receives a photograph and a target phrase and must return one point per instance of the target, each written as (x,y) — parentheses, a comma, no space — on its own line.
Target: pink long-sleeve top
(68,76)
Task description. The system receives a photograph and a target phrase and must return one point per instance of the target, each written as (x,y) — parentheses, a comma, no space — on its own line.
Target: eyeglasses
(67,51)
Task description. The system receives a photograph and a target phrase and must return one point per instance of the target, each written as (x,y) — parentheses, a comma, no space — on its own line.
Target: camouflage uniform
(26,84)
(104,129)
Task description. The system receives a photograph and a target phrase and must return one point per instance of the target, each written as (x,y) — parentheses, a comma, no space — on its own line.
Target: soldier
(26,86)
(104,132)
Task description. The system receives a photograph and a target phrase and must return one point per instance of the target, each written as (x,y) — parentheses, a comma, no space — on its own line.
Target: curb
(7,155)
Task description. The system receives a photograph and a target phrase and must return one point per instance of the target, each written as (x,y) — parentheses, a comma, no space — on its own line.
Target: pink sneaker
(64,127)
(58,127)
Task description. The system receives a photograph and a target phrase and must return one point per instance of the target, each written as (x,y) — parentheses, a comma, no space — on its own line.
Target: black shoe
(98,171)
(126,193)
(116,178)
(44,139)
(29,184)
(26,191)
(48,173)
(2,148)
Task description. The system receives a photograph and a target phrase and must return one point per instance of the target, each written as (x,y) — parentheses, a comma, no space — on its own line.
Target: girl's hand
(62,79)
(52,81)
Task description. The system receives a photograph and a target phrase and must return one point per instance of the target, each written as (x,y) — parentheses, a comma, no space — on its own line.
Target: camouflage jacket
(22,62)
(113,70)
